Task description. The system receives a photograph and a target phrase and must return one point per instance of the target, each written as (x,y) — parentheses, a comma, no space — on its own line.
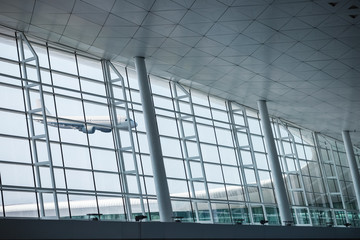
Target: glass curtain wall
(214,153)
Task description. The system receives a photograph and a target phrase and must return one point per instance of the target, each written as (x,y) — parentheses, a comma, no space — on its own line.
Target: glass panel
(107,182)
(174,168)
(224,137)
(303,216)
(231,175)
(90,68)
(111,208)
(12,154)
(221,213)
(160,86)
(20,204)
(16,175)
(79,180)
(340,218)
(272,215)
(82,205)
(239,213)
(11,98)
(206,134)
(178,188)
(182,210)
(235,193)
(217,191)
(204,213)
(209,153)
(77,157)
(227,156)
(62,61)
(257,143)
(10,69)
(213,173)
(167,126)
(8,48)
(174,150)
(258,213)
(254,194)
(103,160)
(268,195)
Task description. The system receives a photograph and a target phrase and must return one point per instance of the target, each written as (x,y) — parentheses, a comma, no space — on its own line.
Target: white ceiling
(302,56)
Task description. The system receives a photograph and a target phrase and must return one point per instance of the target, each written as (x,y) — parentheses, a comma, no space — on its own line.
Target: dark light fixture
(139,218)
(263,221)
(353,7)
(347,224)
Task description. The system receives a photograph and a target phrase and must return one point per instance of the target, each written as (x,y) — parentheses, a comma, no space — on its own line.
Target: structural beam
(279,186)
(352,164)
(152,133)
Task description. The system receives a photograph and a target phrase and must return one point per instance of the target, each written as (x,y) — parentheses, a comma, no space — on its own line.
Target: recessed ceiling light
(353,7)
(333,4)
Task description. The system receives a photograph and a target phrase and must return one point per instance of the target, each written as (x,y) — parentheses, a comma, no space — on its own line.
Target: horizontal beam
(77,229)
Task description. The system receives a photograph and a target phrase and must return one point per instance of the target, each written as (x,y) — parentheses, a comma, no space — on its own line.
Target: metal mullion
(238,150)
(337,179)
(30,123)
(182,136)
(58,130)
(324,175)
(123,87)
(285,165)
(294,151)
(120,175)
(286,170)
(27,124)
(182,154)
(221,166)
(87,134)
(253,155)
(200,155)
(2,197)
(119,155)
(251,146)
(336,173)
(300,176)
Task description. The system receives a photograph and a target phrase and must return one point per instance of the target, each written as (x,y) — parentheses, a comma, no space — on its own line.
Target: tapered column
(152,133)
(352,164)
(279,186)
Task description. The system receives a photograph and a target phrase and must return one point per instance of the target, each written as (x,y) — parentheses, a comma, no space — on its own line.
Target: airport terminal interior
(207,115)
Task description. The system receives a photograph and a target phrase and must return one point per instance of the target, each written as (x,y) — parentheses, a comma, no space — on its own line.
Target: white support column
(152,133)
(352,164)
(279,186)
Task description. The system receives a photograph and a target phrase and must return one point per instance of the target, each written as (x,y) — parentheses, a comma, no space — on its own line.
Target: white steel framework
(292,171)
(183,98)
(34,92)
(243,128)
(112,76)
(329,171)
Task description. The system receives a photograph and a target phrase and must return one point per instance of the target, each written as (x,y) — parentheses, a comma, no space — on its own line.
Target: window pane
(79,180)
(62,61)
(20,204)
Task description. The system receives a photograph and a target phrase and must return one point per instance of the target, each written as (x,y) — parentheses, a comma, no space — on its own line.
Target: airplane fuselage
(92,123)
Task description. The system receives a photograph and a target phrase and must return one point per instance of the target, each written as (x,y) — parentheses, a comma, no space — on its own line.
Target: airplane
(101,123)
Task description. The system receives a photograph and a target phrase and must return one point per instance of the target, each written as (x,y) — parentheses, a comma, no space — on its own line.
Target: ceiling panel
(302,56)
